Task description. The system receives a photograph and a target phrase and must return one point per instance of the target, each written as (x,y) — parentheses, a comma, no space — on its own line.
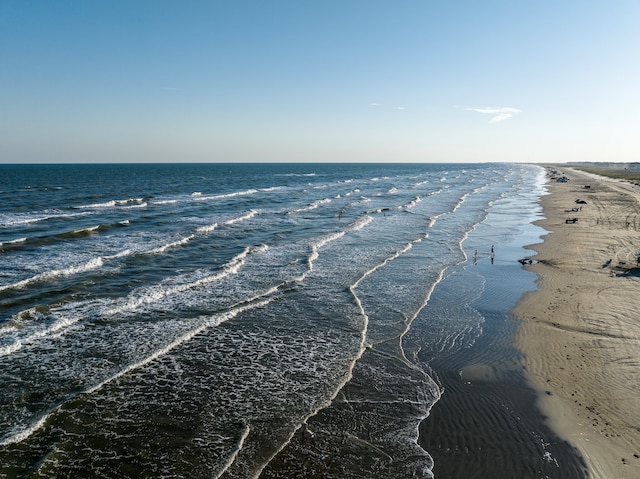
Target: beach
(317,321)
(580,330)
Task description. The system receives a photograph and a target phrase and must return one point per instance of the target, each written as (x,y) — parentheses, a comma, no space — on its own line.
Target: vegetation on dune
(623,171)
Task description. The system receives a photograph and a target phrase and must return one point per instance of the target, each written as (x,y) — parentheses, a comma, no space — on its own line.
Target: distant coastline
(622,171)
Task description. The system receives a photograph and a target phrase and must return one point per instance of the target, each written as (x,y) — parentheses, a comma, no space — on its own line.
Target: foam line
(315,247)
(207,229)
(413,202)
(149,296)
(199,197)
(209,323)
(213,226)
(20,433)
(361,350)
(19,220)
(135,202)
(92,264)
(233,456)
(57,326)
(244,217)
(87,230)
(360,223)
(312,206)
(231,267)
(163,248)
(106,204)
(13,242)
(319,244)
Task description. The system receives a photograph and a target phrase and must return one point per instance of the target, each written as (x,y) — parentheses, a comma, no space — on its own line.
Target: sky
(319,81)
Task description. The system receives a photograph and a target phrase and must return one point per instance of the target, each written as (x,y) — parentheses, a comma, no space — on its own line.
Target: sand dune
(581,328)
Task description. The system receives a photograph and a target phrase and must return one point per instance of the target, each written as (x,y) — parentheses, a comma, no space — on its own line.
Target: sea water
(218,320)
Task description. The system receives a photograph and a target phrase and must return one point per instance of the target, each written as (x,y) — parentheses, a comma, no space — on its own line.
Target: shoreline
(487,423)
(580,329)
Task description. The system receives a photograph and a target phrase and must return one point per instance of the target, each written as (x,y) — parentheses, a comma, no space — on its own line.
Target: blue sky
(303,80)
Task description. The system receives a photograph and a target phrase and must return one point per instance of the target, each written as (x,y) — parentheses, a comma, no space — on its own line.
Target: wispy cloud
(500,117)
(378,105)
(500,113)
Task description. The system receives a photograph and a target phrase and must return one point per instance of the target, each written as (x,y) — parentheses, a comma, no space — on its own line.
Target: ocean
(261,320)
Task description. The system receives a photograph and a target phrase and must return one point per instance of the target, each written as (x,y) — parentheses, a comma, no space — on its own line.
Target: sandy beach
(580,333)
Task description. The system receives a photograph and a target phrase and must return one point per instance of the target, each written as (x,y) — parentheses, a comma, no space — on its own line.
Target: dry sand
(581,328)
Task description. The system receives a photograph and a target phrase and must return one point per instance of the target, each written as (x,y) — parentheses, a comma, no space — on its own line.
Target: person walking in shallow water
(492,255)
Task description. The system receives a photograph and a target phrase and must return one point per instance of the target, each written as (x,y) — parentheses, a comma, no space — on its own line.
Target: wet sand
(487,423)
(580,334)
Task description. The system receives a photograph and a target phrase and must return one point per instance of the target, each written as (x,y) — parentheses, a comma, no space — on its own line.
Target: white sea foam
(361,223)
(244,217)
(97,263)
(113,203)
(139,205)
(225,196)
(206,322)
(213,226)
(312,206)
(22,432)
(158,292)
(13,220)
(54,328)
(106,204)
(349,375)
(135,301)
(200,196)
(129,201)
(328,239)
(232,457)
(413,203)
(17,221)
(207,228)
(319,244)
(393,257)
(92,264)
(89,229)
(173,244)
(15,241)
(121,254)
